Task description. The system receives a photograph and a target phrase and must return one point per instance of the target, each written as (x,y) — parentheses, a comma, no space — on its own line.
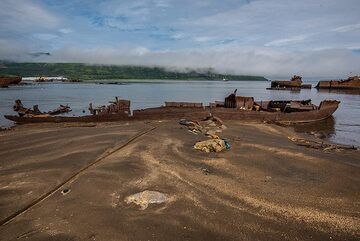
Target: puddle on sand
(143,199)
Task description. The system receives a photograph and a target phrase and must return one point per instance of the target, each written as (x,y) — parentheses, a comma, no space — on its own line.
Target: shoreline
(265,186)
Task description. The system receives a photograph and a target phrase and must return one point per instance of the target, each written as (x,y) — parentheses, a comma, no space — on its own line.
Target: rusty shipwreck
(35,112)
(347,84)
(295,83)
(232,108)
(5,81)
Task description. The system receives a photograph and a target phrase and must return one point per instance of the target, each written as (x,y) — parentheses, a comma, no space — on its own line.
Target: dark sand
(264,188)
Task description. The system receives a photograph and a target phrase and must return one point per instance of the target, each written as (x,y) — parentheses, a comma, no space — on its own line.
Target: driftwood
(320,145)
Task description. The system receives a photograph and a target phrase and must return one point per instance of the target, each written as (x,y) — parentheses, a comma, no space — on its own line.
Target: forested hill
(78,71)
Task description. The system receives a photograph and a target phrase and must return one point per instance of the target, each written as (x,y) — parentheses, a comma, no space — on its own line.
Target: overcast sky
(265,37)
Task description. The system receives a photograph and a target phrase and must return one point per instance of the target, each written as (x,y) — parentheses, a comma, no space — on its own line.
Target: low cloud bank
(232,60)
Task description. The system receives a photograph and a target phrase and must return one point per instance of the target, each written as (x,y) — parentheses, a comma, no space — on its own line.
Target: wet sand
(264,188)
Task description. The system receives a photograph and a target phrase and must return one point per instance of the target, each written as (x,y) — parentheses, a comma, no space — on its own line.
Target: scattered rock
(205,170)
(211,125)
(211,145)
(143,199)
(65,191)
(267,179)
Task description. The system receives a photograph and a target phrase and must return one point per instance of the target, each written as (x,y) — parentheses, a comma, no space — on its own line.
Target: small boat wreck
(349,83)
(232,108)
(295,83)
(35,112)
(5,81)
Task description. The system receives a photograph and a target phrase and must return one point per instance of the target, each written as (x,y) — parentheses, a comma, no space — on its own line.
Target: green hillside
(78,71)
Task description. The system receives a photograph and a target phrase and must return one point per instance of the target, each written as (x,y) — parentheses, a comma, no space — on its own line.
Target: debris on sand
(320,145)
(215,122)
(267,178)
(211,145)
(209,126)
(205,170)
(143,199)
(4,128)
(193,126)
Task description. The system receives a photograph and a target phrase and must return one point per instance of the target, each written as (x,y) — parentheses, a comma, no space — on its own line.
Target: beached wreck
(115,107)
(295,83)
(232,108)
(349,83)
(35,112)
(5,81)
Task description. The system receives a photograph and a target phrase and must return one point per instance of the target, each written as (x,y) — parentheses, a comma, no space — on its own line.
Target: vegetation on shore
(83,72)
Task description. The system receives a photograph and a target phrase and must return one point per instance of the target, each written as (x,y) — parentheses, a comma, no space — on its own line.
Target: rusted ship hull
(294,88)
(325,110)
(285,84)
(6,81)
(275,117)
(295,83)
(60,119)
(348,84)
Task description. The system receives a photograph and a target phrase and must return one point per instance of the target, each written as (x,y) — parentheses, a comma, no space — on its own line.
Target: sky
(259,37)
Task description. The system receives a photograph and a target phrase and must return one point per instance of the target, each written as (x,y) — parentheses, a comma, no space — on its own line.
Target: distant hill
(78,71)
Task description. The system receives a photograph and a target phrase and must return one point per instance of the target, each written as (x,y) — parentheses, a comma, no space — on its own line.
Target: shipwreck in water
(349,83)
(232,108)
(5,81)
(295,83)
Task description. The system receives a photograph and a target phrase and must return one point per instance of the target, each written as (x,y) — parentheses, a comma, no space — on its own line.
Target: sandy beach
(71,182)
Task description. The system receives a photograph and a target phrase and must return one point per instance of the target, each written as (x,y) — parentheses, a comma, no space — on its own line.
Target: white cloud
(269,37)
(65,30)
(139,51)
(347,28)
(45,36)
(161,3)
(273,21)
(286,41)
(202,39)
(178,36)
(23,15)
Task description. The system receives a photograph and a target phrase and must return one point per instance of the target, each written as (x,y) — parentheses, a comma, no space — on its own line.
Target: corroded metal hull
(6,81)
(294,83)
(325,110)
(350,83)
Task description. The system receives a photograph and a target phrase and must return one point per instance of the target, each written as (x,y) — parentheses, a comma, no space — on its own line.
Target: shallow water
(343,128)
